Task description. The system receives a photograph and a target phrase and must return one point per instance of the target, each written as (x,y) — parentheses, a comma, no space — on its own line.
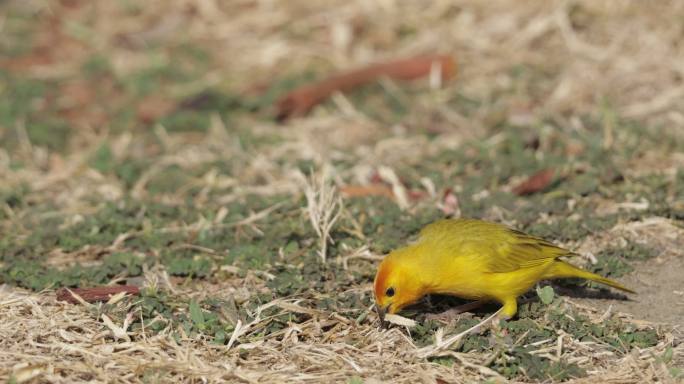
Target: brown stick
(301,100)
(95,294)
(535,183)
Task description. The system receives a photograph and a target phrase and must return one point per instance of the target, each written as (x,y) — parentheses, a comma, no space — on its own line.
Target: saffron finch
(472,259)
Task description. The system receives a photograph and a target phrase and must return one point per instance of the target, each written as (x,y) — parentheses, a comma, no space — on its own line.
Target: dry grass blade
(91,295)
(324,207)
(400,320)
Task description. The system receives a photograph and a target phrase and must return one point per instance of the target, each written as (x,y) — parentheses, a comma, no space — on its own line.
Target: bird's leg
(507,311)
(452,313)
(510,308)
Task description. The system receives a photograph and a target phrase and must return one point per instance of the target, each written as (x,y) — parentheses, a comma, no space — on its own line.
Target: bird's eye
(389,292)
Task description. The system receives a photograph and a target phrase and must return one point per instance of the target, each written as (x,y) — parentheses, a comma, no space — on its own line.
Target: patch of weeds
(446,361)
(253,254)
(641,339)
(475,343)
(565,230)
(519,361)
(142,221)
(128,263)
(464,103)
(19,101)
(621,336)
(103,159)
(97,65)
(524,326)
(538,368)
(531,310)
(38,276)
(161,310)
(103,227)
(14,197)
(130,170)
(51,133)
(583,184)
(252,141)
(169,180)
(676,372)
(288,281)
(423,333)
(652,187)
(679,183)
(187,264)
(160,71)
(615,262)
(186,121)
(631,251)
(23,92)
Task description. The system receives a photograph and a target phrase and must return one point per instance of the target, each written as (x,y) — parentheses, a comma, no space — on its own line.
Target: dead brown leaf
(535,183)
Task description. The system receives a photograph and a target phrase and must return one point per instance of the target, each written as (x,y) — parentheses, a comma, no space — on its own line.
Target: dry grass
(626,52)
(59,342)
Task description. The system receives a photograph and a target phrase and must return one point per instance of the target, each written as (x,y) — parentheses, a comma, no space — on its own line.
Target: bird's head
(396,284)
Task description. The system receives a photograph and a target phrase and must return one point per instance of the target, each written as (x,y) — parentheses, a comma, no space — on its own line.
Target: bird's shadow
(585,292)
(438,304)
(432,305)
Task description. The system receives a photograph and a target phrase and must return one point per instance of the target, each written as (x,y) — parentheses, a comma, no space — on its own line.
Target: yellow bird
(472,259)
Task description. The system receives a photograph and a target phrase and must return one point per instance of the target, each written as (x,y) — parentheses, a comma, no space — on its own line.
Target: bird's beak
(381,314)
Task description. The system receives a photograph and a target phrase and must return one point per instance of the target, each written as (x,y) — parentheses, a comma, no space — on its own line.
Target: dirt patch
(660,286)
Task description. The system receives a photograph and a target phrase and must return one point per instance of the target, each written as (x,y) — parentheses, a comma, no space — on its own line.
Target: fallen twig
(301,100)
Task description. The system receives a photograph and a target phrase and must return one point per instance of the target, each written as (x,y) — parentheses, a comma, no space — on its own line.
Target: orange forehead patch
(380,279)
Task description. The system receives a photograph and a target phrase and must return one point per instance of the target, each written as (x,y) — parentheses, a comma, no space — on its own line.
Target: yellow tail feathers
(562,269)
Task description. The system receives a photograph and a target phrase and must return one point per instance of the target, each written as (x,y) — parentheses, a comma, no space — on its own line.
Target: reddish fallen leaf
(535,183)
(449,204)
(95,294)
(301,100)
(367,190)
(153,107)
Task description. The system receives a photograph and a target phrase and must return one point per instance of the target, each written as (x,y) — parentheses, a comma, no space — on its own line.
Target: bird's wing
(519,251)
(495,247)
